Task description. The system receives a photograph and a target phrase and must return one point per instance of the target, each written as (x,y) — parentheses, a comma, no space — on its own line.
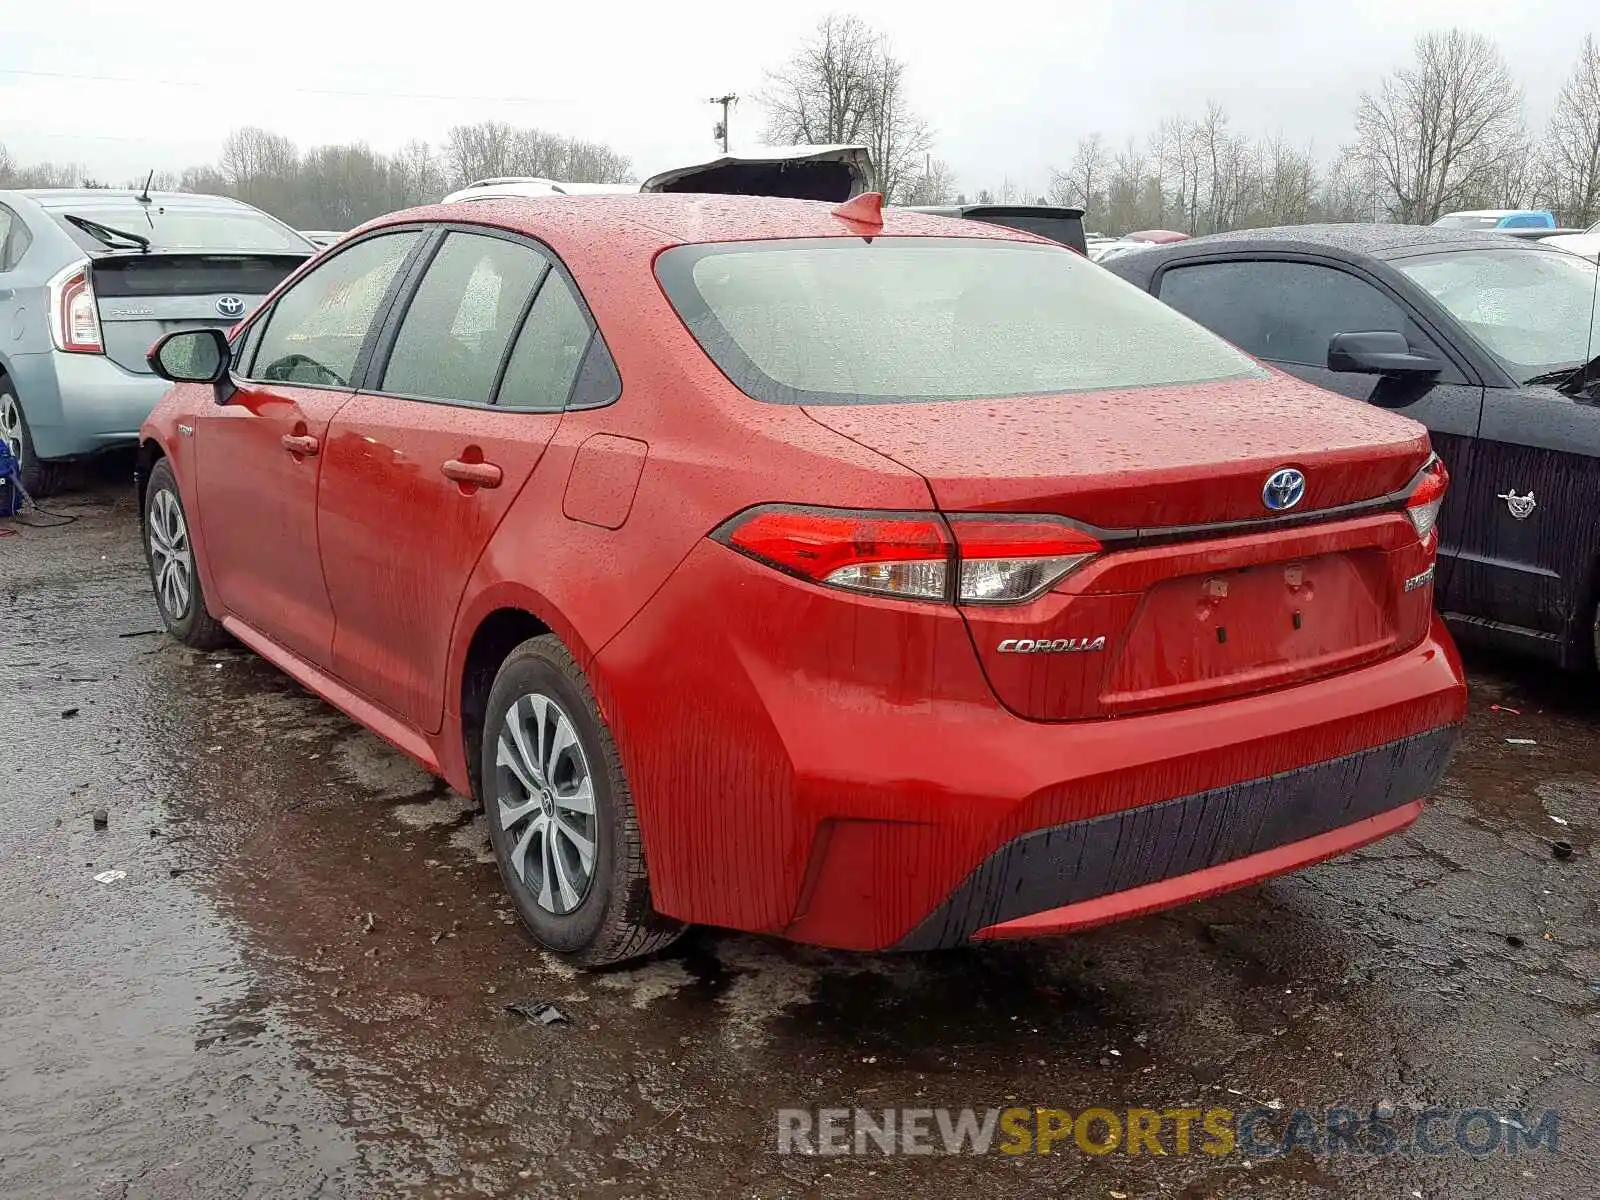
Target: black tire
(613,919)
(190,622)
(39,478)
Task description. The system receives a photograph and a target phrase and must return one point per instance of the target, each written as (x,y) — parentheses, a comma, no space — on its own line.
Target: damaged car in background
(88,280)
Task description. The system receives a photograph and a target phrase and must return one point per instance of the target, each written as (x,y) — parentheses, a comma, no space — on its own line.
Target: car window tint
(315,330)
(15,237)
(244,349)
(1280,311)
(598,382)
(549,350)
(455,332)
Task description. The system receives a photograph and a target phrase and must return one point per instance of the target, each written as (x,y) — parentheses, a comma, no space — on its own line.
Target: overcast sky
(1007,97)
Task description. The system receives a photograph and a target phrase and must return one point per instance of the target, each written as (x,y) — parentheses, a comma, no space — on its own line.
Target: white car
(1586,243)
(833,173)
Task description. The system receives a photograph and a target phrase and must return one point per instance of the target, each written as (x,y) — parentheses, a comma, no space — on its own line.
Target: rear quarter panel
(709,452)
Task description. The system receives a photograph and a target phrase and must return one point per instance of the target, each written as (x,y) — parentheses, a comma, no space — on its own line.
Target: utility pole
(721,129)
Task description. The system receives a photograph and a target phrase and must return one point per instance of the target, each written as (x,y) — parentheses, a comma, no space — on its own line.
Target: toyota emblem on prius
(231,307)
(1285,488)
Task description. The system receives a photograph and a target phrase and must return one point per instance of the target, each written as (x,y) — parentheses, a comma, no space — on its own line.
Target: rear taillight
(912,556)
(74,319)
(1422,506)
(1009,559)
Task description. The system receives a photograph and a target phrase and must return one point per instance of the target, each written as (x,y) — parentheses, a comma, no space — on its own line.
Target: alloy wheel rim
(172,562)
(11,424)
(545,803)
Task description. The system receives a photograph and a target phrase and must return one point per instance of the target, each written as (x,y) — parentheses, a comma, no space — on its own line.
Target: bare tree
(415,175)
(593,162)
(1128,195)
(207,181)
(1433,129)
(844,84)
(1350,190)
(1571,152)
(1288,183)
(7,165)
(493,148)
(935,184)
(48,175)
(1083,183)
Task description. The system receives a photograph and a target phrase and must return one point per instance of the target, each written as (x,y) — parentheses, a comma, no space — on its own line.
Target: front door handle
(477,474)
(302,444)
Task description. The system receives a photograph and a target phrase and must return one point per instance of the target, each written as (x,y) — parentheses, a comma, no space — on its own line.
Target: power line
(376,95)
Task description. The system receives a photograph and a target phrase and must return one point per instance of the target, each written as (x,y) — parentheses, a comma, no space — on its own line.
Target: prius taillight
(74,317)
(960,558)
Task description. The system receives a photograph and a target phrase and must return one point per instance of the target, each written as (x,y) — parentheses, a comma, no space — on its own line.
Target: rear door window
(316,329)
(1281,311)
(456,330)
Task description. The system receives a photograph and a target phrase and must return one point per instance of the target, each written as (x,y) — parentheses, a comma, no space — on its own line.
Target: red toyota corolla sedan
(869,578)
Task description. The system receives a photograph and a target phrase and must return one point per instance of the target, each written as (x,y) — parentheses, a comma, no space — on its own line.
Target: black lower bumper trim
(1049,868)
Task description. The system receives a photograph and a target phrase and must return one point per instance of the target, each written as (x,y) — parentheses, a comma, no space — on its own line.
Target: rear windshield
(1466,221)
(848,321)
(178,227)
(1066,230)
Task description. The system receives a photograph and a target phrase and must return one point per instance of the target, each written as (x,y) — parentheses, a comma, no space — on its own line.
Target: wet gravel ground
(298,986)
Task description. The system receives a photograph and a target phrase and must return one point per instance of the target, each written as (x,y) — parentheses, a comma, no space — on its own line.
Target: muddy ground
(298,986)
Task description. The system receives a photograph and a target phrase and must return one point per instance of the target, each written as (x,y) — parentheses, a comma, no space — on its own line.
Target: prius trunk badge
(1521,507)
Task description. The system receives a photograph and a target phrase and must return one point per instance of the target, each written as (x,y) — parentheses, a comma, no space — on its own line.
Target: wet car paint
(298,988)
(427,580)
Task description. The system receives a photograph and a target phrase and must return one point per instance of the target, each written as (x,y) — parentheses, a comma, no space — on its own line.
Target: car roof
(67,197)
(1373,238)
(662,219)
(1021,210)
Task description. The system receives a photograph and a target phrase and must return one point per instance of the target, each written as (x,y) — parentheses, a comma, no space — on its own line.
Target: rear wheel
(561,816)
(170,552)
(39,478)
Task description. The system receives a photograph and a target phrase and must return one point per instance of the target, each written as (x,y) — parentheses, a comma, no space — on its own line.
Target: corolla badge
(1285,488)
(1521,506)
(1081,645)
(231,307)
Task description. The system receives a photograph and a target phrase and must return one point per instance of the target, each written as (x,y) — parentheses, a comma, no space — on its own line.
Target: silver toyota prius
(89,279)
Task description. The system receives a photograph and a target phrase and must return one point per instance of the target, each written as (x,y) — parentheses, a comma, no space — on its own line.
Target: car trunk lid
(830,173)
(144,296)
(1202,591)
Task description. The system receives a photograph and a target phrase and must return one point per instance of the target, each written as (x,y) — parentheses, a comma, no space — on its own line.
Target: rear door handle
(300,443)
(478,474)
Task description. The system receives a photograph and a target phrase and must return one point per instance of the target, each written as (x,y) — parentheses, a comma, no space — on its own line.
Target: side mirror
(1381,352)
(191,356)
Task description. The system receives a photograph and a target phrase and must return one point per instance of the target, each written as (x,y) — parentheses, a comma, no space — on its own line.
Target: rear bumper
(1090,872)
(836,770)
(82,403)
(1167,893)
